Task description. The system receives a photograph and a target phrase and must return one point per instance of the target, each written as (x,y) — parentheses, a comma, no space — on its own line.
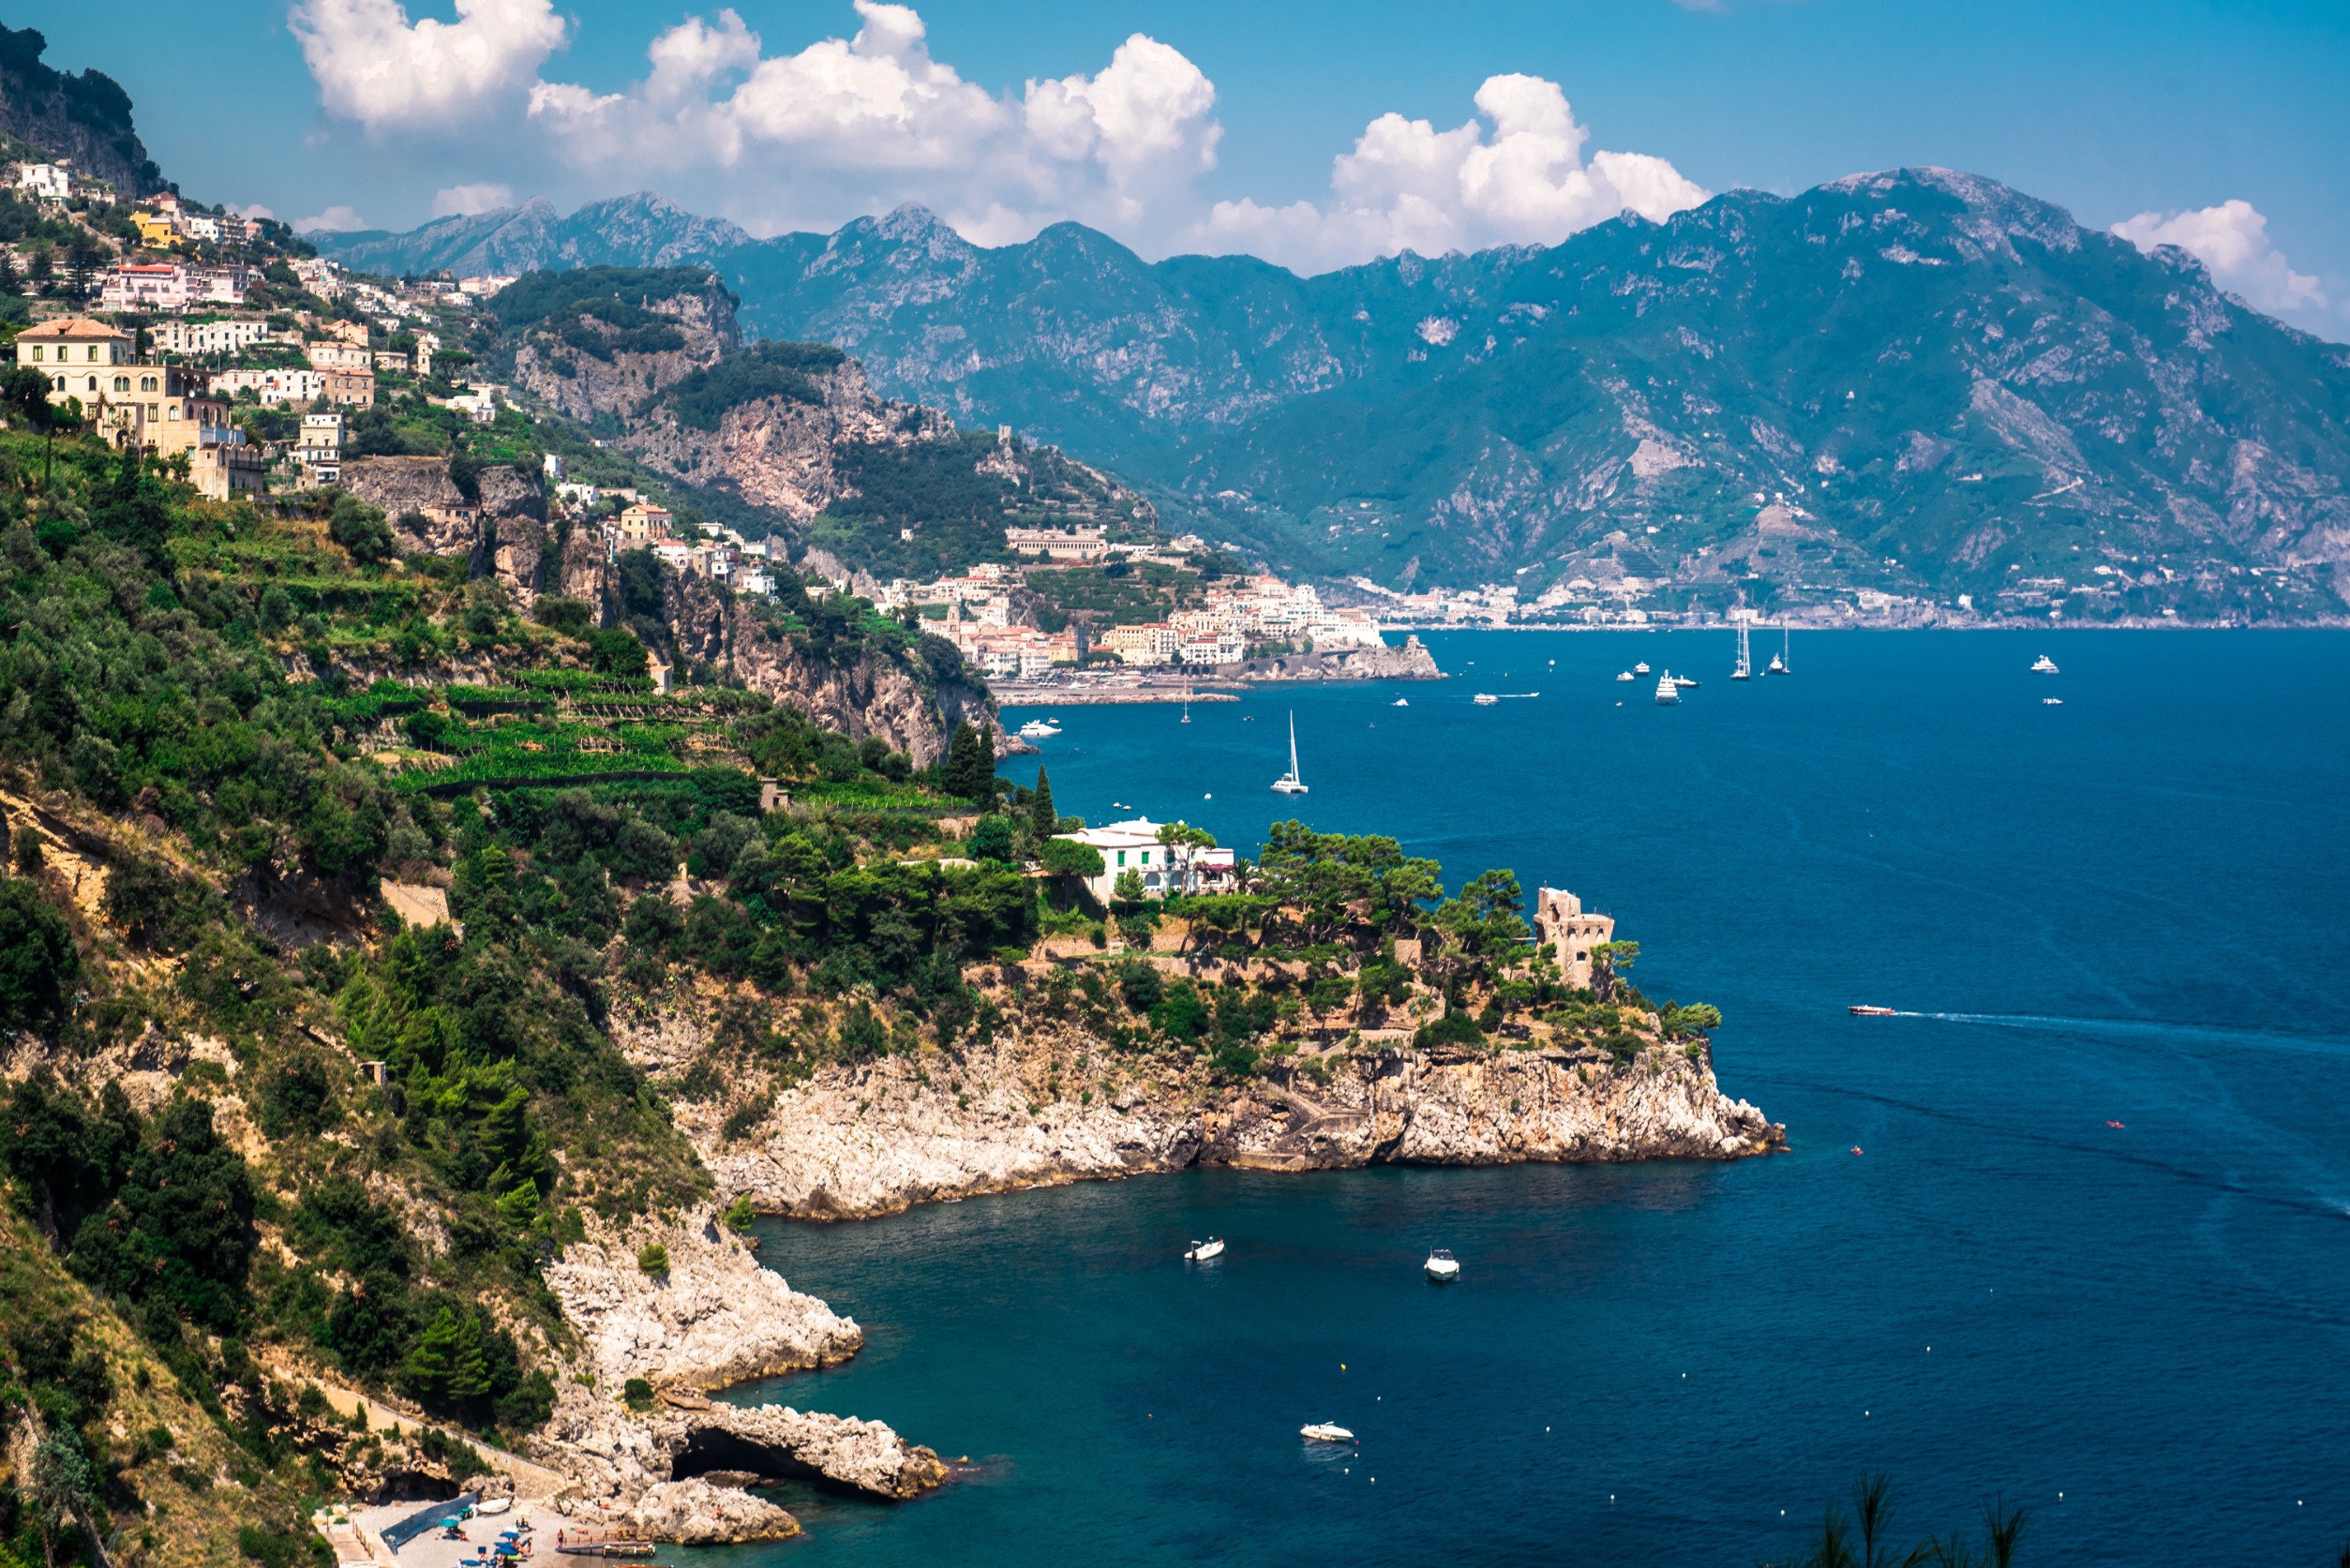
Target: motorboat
(1668,693)
(493,1505)
(1201,1252)
(1040,729)
(1325,1431)
(1626,675)
(1862,1010)
(1641,668)
(1442,1267)
(1289,782)
(1686,684)
(1484,699)
(2043,665)
(1401,702)
(2051,702)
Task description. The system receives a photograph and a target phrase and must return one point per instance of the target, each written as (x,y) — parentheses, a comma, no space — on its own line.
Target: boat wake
(2145,1028)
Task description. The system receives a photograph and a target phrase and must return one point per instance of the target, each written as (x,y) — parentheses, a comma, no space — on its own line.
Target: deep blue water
(2131,908)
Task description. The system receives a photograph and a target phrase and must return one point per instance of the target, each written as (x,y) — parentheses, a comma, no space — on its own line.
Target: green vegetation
(616,300)
(773,369)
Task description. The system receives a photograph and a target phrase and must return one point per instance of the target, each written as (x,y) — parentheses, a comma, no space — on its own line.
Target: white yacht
(1641,668)
(1325,1431)
(2051,702)
(1775,667)
(1040,729)
(1442,1267)
(2043,665)
(1667,692)
(1484,699)
(1686,684)
(1626,675)
(1201,1252)
(1289,782)
(1402,702)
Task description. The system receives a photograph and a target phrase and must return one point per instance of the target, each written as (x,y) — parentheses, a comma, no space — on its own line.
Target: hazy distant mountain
(1920,382)
(640,231)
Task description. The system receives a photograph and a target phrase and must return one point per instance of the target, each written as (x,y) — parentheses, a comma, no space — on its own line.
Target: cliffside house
(224,469)
(45,182)
(206,337)
(643,525)
(1561,922)
(338,356)
(345,388)
(318,451)
(1164,869)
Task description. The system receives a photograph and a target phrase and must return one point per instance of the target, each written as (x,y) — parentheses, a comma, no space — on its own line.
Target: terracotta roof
(73,326)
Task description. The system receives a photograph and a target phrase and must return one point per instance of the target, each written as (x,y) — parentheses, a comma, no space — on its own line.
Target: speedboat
(1484,699)
(1641,668)
(1442,1267)
(1325,1431)
(1201,1252)
(2051,702)
(1686,682)
(1666,692)
(1040,729)
(2043,665)
(1862,1011)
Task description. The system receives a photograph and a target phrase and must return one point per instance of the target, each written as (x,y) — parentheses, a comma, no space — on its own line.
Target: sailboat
(1289,782)
(1780,664)
(1187,702)
(1746,669)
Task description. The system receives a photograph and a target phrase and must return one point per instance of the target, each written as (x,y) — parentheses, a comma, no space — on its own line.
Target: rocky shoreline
(883,1135)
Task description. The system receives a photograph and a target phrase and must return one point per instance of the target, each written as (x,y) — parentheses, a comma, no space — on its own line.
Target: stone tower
(1560,920)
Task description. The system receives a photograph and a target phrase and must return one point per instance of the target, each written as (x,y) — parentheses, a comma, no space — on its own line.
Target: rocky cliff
(1411,662)
(886,1134)
(84,119)
(584,365)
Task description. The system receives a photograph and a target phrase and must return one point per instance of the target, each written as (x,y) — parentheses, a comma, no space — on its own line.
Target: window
(92,353)
(146,383)
(1121,857)
(36,353)
(122,383)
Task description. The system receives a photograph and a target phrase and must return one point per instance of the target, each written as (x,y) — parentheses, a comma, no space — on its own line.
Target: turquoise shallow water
(2128,908)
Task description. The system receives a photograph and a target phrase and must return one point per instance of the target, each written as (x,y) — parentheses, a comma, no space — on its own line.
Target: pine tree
(1043,819)
(971,764)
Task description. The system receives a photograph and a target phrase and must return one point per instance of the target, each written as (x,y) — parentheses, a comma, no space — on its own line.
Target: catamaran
(1289,782)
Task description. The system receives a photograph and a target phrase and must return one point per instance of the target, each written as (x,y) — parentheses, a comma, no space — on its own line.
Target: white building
(48,181)
(1163,869)
(206,337)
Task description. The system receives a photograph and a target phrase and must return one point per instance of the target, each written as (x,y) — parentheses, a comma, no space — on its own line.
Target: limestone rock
(779,1441)
(694,1512)
(716,1318)
(875,1137)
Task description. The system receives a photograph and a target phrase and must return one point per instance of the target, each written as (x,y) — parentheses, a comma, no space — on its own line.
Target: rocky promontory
(1044,1107)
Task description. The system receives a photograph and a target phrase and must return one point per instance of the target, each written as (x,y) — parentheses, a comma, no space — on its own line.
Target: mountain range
(1918,382)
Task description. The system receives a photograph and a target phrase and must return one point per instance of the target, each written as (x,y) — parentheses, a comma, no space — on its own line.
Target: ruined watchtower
(1560,920)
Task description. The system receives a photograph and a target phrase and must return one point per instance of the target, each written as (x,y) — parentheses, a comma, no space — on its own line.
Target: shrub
(38,958)
(1068,857)
(638,1393)
(561,613)
(739,1215)
(654,1260)
(1454,1028)
(991,839)
(742,1119)
(361,530)
(1141,984)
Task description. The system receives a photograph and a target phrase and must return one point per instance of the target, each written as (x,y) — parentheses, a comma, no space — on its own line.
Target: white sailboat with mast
(1289,782)
(1746,669)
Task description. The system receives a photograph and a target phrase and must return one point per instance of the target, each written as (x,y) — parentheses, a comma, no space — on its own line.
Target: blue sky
(1216,125)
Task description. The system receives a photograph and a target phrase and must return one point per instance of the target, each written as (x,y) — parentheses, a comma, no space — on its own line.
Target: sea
(2072,1230)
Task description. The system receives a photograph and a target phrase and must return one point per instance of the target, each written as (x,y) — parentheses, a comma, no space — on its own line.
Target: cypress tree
(971,764)
(1043,818)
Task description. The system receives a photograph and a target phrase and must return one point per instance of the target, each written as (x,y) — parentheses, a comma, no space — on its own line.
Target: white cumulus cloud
(336,220)
(2232,241)
(467,200)
(1516,174)
(856,125)
(372,64)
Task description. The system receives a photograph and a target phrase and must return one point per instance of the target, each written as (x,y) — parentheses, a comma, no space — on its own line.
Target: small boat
(1641,668)
(1325,1431)
(1871,1012)
(1856,1148)
(1289,782)
(1666,692)
(1774,667)
(1686,682)
(1442,1267)
(2043,665)
(1624,676)
(1201,1252)
(493,1505)
(2051,702)
(1401,702)
(2113,1124)
(1484,699)
(1040,729)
